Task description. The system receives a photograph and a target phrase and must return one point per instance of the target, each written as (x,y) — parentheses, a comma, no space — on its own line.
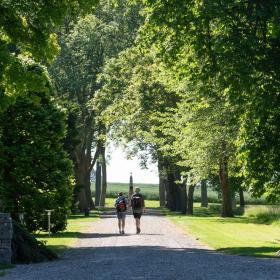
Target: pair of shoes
(122,231)
(138,230)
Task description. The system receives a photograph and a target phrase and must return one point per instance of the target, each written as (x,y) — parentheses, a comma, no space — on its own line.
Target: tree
(27,31)
(204,197)
(134,101)
(37,174)
(28,36)
(236,43)
(84,48)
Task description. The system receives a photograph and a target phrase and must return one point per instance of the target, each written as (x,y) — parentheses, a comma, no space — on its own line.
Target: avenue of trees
(192,85)
(217,62)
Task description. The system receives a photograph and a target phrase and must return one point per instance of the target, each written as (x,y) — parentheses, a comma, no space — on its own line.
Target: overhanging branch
(94,158)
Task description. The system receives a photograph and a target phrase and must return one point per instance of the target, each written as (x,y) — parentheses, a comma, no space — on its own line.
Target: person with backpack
(121,207)
(138,207)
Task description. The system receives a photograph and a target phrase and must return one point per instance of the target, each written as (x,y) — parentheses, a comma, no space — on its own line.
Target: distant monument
(130,190)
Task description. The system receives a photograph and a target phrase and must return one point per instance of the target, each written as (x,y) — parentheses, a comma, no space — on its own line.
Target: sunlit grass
(68,238)
(243,235)
(150,191)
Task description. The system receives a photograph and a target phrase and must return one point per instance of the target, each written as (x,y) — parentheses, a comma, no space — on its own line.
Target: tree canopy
(28,32)
(194,84)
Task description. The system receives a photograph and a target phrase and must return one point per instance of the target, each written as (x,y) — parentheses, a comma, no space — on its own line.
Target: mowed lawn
(150,191)
(249,234)
(123,187)
(66,239)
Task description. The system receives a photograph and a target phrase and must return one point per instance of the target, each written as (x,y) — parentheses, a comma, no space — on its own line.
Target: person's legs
(119,224)
(123,224)
(137,217)
(138,225)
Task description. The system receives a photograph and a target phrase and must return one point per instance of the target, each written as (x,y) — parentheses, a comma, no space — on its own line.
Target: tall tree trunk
(226,195)
(162,195)
(171,196)
(82,167)
(177,193)
(104,178)
(233,201)
(241,197)
(98,183)
(178,189)
(184,197)
(190,200)
(162,182)
(88,192)
(204,196)
(169,174)
(80,177)
(88,167)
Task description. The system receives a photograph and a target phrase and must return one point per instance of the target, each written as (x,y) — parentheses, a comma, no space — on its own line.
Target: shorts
(121,215)
(137,215)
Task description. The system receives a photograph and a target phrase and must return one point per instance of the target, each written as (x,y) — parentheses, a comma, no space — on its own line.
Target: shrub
(37,174)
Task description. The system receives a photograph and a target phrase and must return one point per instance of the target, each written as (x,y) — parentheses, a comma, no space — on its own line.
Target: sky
(119,168)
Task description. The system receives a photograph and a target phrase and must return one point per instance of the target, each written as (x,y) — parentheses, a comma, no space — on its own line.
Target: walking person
(121,208)
(138,207)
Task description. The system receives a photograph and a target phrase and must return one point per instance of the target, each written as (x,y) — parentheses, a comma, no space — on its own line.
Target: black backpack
(121,205)
(136,201)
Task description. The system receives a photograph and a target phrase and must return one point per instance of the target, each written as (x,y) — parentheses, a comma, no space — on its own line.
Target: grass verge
(66,239)
(3,267)
(62,240)
(249,234)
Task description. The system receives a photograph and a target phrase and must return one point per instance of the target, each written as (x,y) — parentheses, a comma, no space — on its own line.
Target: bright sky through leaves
(119,168)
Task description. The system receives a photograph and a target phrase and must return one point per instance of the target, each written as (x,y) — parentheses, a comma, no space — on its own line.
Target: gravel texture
(161,251)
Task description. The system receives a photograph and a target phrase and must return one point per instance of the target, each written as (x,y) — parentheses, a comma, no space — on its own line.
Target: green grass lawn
(123,187)
(249,234)
(3,267)
(150,191)
(63,240)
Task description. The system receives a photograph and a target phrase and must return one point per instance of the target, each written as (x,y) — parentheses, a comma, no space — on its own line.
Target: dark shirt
(138,210)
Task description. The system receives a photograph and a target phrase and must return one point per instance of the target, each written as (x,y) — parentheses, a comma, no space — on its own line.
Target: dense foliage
(85,46)
(35,171)
(27,30)
(219,58)
(37,174)
(194,84)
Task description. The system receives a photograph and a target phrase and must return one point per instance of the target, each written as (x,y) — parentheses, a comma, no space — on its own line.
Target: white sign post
(49,220)
(21,218)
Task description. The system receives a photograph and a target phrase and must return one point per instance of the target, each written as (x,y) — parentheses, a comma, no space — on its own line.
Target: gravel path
(161,251)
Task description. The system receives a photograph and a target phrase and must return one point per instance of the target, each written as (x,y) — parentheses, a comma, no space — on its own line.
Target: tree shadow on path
(156,262)
(148,262)
(104,235)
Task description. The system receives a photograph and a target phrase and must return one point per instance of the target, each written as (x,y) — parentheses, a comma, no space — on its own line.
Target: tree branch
(94,158)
